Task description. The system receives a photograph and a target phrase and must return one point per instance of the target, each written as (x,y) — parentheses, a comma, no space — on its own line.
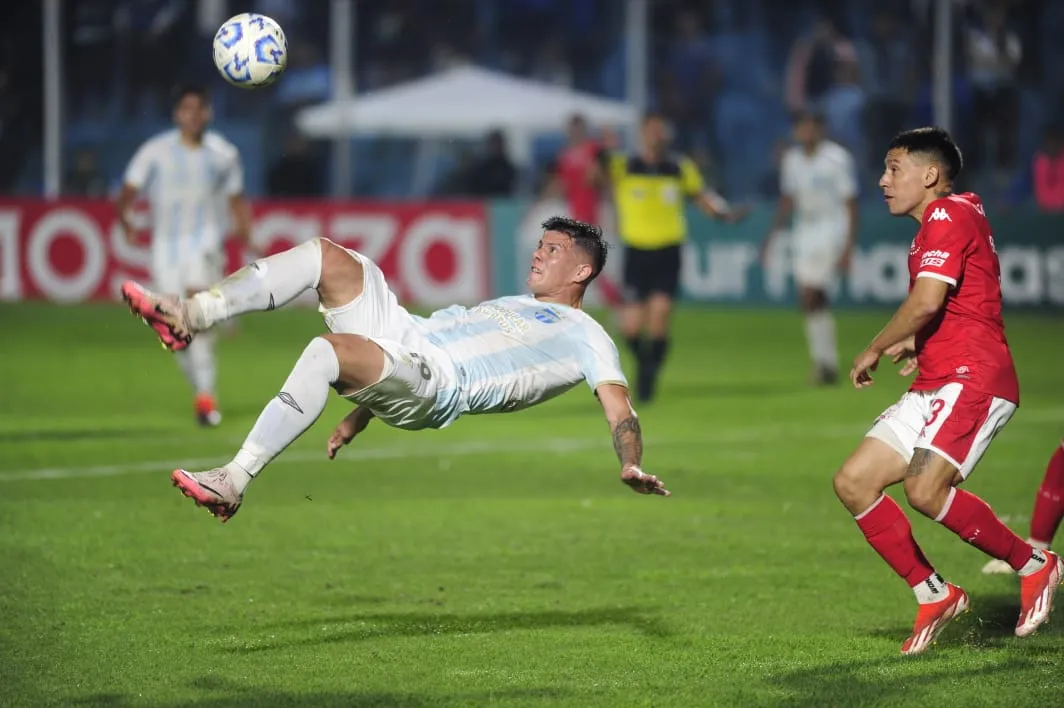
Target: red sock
(887,530)
(1049,504)
(974,521)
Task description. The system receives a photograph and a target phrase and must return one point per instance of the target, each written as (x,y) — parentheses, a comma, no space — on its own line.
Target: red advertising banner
(73,250)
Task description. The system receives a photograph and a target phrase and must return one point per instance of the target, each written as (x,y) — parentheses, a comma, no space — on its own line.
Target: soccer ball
(250,50)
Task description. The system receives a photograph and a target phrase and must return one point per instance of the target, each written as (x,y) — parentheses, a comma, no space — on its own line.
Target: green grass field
(498,562)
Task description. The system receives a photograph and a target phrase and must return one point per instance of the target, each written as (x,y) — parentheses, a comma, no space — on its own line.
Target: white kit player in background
(410,372)
(193,180)
(818,184)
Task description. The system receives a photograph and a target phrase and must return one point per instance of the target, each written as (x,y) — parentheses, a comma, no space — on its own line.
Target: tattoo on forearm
(920,462)
(628,441)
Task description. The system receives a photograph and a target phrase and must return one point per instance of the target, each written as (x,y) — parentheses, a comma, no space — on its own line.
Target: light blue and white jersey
(514,352)
(188,190)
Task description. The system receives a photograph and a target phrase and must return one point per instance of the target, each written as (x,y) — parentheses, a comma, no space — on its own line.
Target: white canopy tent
(464,102)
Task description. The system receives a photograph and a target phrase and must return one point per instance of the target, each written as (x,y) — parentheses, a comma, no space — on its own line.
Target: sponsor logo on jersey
(934,259)
(939,214)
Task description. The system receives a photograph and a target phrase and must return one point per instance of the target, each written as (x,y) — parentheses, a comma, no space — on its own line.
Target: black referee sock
(635,345)
(650,366)
(656,352)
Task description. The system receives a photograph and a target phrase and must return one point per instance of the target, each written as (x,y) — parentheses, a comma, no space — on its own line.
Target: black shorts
(646,272)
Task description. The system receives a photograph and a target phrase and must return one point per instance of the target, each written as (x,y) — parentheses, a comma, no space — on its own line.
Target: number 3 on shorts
(936,407)
(426,372)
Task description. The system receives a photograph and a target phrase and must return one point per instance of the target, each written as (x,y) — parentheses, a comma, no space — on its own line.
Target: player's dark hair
(934,142)
(182,90)
(586,237)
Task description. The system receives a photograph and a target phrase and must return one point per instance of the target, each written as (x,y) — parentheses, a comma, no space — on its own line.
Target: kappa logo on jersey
(939,214)
(934,259)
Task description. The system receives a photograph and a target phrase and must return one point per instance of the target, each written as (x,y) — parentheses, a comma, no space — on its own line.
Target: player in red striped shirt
(964,394)
(579,169)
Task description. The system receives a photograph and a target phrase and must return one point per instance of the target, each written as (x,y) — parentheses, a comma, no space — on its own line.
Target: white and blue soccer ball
(250,50)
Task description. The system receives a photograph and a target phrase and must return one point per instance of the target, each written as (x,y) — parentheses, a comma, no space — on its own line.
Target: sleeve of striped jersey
(788,178)
(141,167)
(234,176)
(600,362)
(847,176)
(691,178)
(946,242)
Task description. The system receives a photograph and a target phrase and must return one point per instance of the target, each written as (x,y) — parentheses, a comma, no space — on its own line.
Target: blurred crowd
(728,73)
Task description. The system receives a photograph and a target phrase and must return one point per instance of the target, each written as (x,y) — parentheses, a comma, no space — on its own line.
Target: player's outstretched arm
(353,424)
(123,202)
(627,439)
(925,300)
(241,213)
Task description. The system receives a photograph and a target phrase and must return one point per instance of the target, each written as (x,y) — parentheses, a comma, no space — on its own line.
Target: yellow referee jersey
(650,198)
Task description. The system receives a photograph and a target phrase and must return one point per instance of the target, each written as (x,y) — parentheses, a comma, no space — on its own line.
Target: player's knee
(858,483)
(850,484)
(814,299)
(926,494)
(360,361)
(659,308)
(341,274)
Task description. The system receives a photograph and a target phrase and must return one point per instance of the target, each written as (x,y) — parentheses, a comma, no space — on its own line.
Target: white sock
(1036,562)
(820,335)
(1040,545)
(291,412)
(184,362)
(197,363)
(266,284)
(201,362)
(931,590)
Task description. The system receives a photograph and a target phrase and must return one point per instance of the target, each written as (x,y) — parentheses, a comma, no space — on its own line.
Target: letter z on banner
(73,250)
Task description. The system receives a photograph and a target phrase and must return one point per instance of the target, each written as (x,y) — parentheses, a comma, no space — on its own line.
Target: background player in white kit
(191,177)
(818,184)
(411,372)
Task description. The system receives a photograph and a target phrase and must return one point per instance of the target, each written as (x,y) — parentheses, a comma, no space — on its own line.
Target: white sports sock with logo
(820,335)
(931,590)
(286,417)
(201,363)
(266,284)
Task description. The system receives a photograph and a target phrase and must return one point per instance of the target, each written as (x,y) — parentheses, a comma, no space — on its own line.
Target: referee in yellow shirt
(650,189)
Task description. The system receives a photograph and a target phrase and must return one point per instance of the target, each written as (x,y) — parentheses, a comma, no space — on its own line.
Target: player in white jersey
(818,184)
(410,372)
(194,182)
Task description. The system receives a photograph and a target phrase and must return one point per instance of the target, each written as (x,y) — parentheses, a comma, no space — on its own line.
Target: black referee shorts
(651,271)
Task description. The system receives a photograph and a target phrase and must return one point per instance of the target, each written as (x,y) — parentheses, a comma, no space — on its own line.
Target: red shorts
(955,422)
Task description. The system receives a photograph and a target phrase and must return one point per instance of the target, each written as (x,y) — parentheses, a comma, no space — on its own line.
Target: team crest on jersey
(547,316)
(913,248)
(939,214)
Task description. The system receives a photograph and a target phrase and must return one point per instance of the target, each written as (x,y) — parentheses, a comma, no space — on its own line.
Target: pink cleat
(213,490)
(163,313)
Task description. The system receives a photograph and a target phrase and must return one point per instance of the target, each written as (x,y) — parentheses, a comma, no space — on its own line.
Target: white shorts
(418,387)
(816,258)
(954,422)
(192,272)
